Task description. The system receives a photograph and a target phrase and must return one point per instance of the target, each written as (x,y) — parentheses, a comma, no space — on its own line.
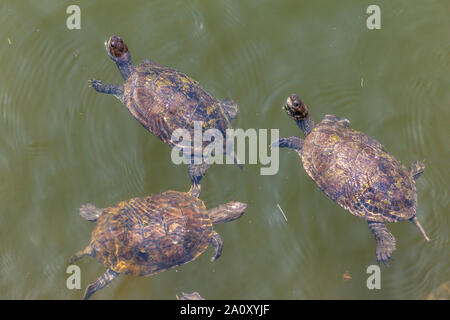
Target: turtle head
(118,52)
(227,212)
(116,48)
(297,110)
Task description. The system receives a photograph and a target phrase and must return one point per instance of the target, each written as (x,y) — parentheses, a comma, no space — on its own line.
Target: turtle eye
(295,104)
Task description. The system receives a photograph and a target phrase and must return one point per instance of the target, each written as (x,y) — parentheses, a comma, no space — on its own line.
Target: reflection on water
(62,145)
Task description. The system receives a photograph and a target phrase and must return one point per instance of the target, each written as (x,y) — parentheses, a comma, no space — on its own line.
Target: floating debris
(346,276)
(278,205)
(9,41)
(362,82)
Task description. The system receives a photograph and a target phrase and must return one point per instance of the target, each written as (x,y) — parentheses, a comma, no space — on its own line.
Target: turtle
(190,296)
(440,293)
(356,172)
(146,235)
(163,100)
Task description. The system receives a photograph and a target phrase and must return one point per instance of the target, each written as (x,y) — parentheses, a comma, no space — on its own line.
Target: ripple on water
(420,95)
(337,97)
(424,105)
(245,67)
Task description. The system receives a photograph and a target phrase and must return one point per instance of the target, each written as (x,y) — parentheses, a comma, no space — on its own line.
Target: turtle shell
(145,235)
(163,100)
(358,173)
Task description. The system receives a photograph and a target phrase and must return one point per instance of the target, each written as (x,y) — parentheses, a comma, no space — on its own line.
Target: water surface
(62,144)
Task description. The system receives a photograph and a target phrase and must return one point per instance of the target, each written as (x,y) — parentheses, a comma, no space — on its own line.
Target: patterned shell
(163,100)
(145,235)
(358,173)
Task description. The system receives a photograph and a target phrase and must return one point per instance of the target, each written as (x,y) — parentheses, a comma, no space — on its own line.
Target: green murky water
(62,144)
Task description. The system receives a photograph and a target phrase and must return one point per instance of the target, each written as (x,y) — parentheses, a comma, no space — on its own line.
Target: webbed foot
(103,281)
(197,172)
(291,142)
(384,252)
(231,108)
(96,84)
(88,251)
(114,89)
(217,243)
(416,169)
(385,241)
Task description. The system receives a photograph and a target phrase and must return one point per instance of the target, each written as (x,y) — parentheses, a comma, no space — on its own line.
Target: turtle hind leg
(385,241)
(231,108)
(341,121)
(195,190)
(416,169)
(103,281)
(90,212)
(217,243)
(88,251)
(291,142)
(197,172)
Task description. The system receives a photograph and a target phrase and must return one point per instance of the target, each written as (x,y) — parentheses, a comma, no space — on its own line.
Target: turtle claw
(88,251)
(231,108)
(280,143)
(96,84)
(74,258)
(385,241)
(103,281)
(276,143)
(295,143)
(384,253)
(217,243)
(384,262)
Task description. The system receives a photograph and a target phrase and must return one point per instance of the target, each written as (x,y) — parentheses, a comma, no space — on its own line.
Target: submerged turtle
(190,296)
(440,293)
(163,100)
(356,172)
(143,236)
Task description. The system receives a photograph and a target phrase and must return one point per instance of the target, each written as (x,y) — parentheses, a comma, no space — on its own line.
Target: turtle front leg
(90,212)
(385,241)
(88,251)
(217,243)
(114,89)
(295,143)
(103,281)
(231,108)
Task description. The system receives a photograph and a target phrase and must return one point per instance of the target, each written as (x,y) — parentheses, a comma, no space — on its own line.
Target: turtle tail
(237,161)
(419,226)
